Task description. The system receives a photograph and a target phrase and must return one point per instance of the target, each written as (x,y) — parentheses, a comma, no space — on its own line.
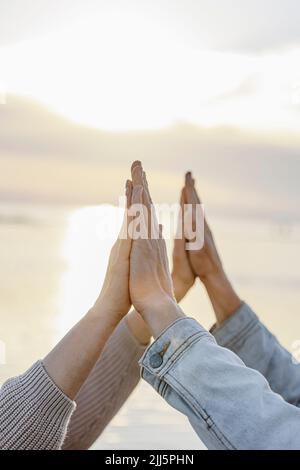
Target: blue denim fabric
(229,405)
(247,337)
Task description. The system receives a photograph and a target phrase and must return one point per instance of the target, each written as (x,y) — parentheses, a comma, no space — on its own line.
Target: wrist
(161,314)
(107,312)
(138,328)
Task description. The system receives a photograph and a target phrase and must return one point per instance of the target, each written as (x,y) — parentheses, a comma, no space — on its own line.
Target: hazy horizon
(46,158)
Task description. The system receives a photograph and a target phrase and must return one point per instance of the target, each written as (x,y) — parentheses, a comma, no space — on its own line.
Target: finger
(189,212)
(146,187)
(137,194)
(197,197)
(129,218)
(163,267)
(179,241)
(128,192)
(124,238)
(160,229)
(138,180)
(190,184)
(135,163)
(137,201)
(188,178)
(192,197)
(182,198)
(190,192)
(162,245)
(153,221)
(137,173)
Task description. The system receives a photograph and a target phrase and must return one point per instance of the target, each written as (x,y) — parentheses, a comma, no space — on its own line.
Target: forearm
(71,361)
(35,407)
(223,298)
(108,386)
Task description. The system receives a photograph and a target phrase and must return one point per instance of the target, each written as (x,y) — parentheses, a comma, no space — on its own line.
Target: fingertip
(137,173)
(188,177)
(136,163)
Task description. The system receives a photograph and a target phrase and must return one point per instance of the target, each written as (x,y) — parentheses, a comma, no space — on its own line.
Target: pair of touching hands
(138,274)
(204,263)
(138,271)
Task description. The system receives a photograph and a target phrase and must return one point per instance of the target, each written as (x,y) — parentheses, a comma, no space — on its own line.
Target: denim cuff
(242,324)
(170,346)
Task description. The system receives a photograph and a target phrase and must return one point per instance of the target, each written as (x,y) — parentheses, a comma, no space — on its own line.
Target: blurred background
(86,87)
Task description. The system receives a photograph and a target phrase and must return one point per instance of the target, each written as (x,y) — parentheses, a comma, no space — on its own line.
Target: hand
(182,274)
(71,361)
(114,297)
(207,265)
(205,262)
(150,282)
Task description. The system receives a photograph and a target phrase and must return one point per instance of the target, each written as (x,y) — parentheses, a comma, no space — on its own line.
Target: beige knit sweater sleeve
(34,412)
(107,388)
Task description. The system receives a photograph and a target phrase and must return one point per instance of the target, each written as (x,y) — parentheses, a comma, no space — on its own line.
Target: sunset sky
(144,64)
(207,85)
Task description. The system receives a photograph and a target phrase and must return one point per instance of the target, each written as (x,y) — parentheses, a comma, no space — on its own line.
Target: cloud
(24,19)
(248,25)
(45,158)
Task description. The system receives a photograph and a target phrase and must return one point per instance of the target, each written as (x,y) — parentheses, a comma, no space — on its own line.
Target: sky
(48,159)
(207,85)
(146,64)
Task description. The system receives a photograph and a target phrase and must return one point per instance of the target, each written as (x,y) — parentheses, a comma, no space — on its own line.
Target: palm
(205,261)
(147,280)
(182,269)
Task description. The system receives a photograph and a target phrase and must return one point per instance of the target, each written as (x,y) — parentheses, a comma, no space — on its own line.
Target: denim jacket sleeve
(229,405)
(247,337)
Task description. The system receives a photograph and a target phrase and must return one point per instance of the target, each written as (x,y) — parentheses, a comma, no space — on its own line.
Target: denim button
(156,360)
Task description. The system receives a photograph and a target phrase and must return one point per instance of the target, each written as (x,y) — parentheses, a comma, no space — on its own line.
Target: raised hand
(150,282)
(206,261)
(182,274)
(71,361)
(207,265)
(114,296)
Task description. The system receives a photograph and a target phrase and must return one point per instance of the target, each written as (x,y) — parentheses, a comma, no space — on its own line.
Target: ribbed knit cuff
(34,412)
(107,388)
